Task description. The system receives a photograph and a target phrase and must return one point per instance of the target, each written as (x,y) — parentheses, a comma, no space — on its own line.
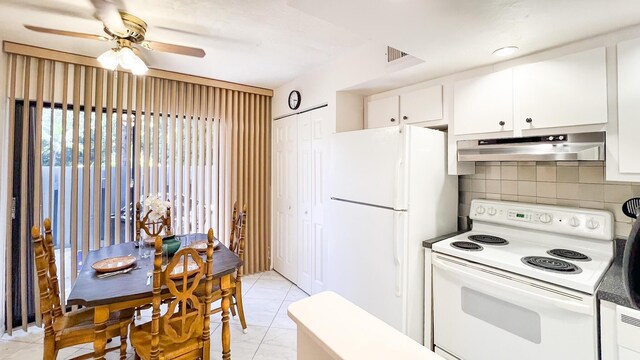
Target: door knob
(528,120)
(393,120)
(405,117)
(502,123)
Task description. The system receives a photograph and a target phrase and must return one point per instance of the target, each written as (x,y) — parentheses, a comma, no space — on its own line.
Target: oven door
(481,313)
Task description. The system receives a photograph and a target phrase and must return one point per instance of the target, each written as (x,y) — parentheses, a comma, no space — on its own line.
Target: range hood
(563,147)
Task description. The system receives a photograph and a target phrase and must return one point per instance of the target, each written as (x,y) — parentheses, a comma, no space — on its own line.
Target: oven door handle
(514,286)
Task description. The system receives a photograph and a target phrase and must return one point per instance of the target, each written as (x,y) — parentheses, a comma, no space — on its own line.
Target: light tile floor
(271,333)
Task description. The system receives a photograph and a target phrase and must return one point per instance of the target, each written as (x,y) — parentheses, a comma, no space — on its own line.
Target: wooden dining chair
(150,227)
(65,329)
(236,245)
(183,331)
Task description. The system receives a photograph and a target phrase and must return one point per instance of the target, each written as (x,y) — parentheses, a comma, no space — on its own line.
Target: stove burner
(488,239)
(568,254)
(551,264)
(466,245)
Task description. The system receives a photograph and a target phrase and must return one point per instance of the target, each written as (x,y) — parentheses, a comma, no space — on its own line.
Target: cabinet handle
(528,120)
(393,120)
(405,117)
(502,123)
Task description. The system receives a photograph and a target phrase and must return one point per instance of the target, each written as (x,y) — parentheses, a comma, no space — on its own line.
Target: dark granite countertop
(612,287)
(429,242)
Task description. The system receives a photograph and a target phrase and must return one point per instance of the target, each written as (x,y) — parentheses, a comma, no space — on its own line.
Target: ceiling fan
(128,32)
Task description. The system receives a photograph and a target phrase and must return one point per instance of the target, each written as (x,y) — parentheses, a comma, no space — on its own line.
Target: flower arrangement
(157,205)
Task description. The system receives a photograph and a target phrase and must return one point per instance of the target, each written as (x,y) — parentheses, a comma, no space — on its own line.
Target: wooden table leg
(225,284)
(100,317)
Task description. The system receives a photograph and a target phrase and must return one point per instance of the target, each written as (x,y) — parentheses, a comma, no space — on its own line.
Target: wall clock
(294,100)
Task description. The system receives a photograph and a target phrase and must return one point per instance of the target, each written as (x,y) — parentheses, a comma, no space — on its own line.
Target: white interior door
(285,180)
(305,184)
(319,197)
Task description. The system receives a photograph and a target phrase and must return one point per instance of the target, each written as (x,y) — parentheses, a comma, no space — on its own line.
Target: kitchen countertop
(331,327)
(612,286)
(429,242)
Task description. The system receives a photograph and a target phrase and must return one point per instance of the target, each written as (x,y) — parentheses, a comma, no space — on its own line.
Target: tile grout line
(274,317)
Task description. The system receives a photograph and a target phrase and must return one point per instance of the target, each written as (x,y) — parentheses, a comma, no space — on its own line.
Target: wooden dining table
(130,290)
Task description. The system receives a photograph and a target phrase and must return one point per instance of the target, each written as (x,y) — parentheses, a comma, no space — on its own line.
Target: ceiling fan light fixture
(126,58)
(506,51)
(109,59)
(138,67)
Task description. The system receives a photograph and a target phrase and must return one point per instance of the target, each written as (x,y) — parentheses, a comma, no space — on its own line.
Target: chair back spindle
(43,280)
(238,233)
(53,270)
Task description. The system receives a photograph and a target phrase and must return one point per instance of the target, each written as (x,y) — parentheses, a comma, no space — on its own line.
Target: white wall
(4,164)
(320,86)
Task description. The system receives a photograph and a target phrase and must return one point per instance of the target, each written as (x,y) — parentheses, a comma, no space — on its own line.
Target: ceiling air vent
(394,54)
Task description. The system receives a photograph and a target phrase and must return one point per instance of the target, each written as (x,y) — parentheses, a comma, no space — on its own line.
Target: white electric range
(521,284)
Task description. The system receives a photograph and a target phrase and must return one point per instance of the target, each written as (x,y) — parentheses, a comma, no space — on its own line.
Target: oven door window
(509,317)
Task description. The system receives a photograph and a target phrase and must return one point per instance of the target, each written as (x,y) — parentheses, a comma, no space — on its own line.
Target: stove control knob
(545,218)
(574,222)
(592,224)
(492,211)
(480,210)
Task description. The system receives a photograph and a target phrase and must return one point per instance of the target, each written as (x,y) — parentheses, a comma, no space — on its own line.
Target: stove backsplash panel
(563,183)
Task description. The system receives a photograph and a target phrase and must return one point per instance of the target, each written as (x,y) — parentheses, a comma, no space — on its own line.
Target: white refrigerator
(389,191)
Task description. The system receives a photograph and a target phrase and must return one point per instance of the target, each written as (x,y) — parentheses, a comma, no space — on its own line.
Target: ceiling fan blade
(67,33)
(108,13)
(171,48)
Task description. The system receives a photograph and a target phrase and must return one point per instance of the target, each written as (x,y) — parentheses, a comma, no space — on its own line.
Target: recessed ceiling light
(506,51)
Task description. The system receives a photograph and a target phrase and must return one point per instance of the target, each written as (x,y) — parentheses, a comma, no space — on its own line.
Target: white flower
(157,206)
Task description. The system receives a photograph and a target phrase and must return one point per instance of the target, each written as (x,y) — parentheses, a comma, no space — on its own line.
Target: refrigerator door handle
(398,227)
(398,188)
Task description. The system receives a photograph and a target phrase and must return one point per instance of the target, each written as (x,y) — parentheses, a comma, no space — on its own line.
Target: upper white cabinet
(383,112)
(421,105)
(484,104)
(628,106)
(417,106)
(566,91)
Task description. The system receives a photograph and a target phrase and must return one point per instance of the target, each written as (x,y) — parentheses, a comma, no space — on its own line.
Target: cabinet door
(629,106)
(285,180)
(383,112)
(567,91)
(483,104)
(319,131)
(421,105)
(305,181)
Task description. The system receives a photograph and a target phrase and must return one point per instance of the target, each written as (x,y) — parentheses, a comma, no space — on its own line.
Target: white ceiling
(258,42)
(455,35)
(269,42)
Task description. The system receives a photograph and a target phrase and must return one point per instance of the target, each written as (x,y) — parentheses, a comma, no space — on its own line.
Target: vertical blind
(106,139)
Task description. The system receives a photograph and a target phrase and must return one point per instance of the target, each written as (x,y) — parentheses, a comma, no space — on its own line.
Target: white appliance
(389,191)
(521,284)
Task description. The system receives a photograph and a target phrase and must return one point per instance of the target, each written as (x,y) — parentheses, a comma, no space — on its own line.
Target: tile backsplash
(564,183)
